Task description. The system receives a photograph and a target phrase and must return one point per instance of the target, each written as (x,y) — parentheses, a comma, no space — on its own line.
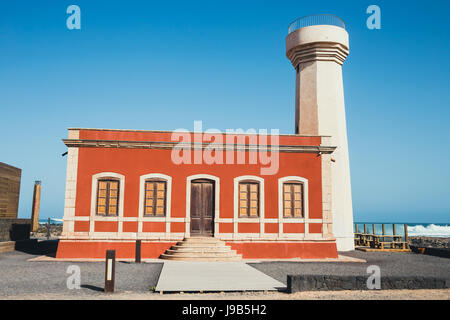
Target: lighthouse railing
(316,19)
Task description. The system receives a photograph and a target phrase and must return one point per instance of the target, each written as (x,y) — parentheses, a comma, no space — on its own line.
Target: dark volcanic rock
(430,242)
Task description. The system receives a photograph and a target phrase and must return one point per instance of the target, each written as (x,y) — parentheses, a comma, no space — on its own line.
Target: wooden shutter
(155,198)
(113,199)
(243,200)
(102,197)
(249,199)
(293,200)
(107,197)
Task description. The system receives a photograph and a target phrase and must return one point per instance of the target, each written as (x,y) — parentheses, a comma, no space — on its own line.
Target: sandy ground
(316,295)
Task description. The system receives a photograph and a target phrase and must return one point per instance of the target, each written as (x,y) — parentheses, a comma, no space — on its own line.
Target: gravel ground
(21,277)
(390,263)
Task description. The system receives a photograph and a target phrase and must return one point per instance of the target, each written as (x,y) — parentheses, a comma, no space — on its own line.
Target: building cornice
(168,145)
(193,132)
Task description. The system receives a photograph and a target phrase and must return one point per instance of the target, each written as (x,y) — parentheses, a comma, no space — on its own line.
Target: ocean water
(52,221)
(441,230)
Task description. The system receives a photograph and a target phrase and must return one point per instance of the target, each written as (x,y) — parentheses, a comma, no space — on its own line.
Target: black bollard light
(138,251)
(110,270)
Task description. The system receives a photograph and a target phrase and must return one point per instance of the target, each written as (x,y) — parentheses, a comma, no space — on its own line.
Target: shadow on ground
(93,288)
(35,247)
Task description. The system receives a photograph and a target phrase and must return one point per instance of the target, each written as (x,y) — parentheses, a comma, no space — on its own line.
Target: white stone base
(345,244)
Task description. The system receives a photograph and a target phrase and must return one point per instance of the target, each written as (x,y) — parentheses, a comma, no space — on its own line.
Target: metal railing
(316,19)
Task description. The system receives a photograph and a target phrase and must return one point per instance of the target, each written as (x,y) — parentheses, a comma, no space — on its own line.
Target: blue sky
(160,66)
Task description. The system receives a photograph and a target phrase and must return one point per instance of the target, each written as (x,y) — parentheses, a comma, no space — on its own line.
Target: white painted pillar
(71,187)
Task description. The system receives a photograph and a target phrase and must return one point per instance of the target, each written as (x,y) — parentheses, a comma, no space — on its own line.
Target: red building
(124,185)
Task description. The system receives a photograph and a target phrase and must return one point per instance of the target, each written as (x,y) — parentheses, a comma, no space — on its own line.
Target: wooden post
(374,234)
(406,234)
(138,251)
(48,229)
(110,270)
(384,231)
(365,237)
(393,229)
(36,206)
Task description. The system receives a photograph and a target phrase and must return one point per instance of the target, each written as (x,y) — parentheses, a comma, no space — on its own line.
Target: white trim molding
(93,216)
(216,202)
(281,217)
(261,217)
(168,199)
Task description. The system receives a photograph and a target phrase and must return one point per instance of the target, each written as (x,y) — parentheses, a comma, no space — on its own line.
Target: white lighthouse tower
(317,46)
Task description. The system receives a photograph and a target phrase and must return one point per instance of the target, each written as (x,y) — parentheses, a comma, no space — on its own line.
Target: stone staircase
(201,249)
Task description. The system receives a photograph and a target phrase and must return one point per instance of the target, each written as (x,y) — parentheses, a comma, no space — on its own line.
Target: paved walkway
(182,276)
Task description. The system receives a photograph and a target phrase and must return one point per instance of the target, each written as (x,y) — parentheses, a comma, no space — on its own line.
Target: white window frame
(261,217)
(142,217)
(281,218)
(93,216)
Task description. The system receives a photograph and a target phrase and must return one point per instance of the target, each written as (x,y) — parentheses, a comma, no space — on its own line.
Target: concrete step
(199,253)
(200,258)
(201,249)
(202,240)
(201,244)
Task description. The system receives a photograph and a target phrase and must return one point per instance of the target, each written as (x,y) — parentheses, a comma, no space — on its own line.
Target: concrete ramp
(183,276)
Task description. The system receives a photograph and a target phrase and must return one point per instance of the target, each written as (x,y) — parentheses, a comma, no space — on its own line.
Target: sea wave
(52,220)
(431,230)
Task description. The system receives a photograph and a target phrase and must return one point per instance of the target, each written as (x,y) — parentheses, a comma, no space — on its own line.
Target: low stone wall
(296,283)
(14,229)
(429,242)
(437,252)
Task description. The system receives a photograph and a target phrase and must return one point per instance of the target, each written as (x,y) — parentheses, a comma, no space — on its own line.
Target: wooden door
(202,208)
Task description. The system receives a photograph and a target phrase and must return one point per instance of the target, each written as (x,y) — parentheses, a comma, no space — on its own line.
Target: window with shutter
(249,199)
(107,197)
(293,200)
(155,198)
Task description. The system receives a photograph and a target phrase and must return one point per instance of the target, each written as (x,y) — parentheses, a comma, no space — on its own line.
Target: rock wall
(296,283)
(429,242)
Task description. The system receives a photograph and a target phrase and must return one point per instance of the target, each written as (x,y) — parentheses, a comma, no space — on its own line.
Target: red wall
(152,250)
(132,163)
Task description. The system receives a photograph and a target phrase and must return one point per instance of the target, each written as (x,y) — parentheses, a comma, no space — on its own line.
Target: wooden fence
(9,191)
(367,237)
